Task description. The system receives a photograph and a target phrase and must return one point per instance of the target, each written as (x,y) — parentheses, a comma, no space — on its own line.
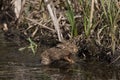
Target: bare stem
(54,19)
(91,13)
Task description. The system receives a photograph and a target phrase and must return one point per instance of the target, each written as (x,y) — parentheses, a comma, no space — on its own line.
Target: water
(15,65)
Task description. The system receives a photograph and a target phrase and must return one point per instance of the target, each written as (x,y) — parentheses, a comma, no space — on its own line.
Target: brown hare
(63,51)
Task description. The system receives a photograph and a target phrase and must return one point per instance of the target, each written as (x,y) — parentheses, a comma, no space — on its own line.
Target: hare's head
(69,46)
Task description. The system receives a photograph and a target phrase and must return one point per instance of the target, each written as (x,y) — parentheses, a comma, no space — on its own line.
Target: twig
(115,60)
(33,34)
(43,26)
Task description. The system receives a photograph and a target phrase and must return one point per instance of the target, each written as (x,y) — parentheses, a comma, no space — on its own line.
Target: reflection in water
(17,71)
(24,66)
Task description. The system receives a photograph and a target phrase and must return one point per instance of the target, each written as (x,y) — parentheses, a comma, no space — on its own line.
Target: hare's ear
(60,46)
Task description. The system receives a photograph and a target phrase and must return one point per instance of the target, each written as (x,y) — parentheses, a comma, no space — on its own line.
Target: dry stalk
(115,60)
(18,7)
(97,4)
(35,31)
(91,13)
(54,19)
(43,26)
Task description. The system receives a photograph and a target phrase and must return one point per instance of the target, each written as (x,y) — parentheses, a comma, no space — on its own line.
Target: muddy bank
(88,49)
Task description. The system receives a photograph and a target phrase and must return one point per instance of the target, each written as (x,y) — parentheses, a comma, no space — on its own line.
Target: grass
(32,46)
(99,19)
(86,17)
(70,16)
(110,15)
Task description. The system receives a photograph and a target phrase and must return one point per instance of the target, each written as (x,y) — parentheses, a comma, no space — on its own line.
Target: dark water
(15,65)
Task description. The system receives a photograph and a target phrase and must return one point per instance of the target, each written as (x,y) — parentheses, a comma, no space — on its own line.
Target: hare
(63,51)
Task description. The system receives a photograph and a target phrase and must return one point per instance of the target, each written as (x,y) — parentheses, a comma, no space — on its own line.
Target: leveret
(63,51)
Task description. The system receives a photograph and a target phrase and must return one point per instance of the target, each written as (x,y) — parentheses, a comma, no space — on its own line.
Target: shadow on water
(15,65)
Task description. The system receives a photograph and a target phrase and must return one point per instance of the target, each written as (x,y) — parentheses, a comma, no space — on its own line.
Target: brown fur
(61,51)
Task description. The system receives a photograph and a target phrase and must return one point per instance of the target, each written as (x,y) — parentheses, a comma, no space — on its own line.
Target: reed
(87,9)
(111,13)
(70,16)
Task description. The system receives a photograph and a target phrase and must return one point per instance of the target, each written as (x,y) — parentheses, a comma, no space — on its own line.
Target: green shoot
(71,19)
(32,46)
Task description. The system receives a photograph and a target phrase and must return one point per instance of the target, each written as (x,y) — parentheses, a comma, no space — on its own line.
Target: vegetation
(71,19)
(97,21)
